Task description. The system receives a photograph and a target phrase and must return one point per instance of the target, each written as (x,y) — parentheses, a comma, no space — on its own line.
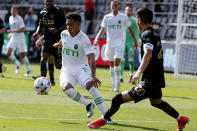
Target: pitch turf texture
(21,109)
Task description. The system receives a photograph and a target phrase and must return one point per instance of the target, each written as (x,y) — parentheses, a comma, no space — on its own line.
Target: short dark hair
(74,16)
(116,1)
(14,7)
(145,14)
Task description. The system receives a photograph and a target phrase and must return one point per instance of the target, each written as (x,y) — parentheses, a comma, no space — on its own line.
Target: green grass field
(21,109)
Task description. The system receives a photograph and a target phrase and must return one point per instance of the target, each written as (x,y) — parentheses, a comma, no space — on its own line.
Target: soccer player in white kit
(76,52)
(17,40)
(115,24)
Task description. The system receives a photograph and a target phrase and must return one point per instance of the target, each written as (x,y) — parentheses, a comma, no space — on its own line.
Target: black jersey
(1,36)
(53,19)
(154,73)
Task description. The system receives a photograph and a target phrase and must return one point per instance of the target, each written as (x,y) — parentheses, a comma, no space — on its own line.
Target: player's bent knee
(43,60)
(117,100)
(88,85)
(58,66)
(160,106)
(66,86)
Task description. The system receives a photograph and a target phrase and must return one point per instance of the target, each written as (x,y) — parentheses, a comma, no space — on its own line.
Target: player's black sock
(51,72)
(43,69)
(0,67)
(167,109)
(115,105)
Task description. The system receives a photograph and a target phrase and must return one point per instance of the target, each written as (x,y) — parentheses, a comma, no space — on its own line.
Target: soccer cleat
(4,68)
(117,88)
(89,109)
(182,122)
(1,74)
(112,89)
(35,77)
(53,82)
(97,123)
(121,80)
(109,121)
(18,68)
(29,72)
(129,81)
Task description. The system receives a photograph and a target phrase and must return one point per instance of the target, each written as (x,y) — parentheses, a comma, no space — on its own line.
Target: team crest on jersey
(52,16)
(75,46)
(119,21)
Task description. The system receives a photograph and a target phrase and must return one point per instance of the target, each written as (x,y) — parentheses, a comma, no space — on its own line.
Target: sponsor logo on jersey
(75,46)
(70,52)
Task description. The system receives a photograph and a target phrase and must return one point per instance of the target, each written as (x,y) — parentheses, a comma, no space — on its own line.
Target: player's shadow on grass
(70,123)
(178,97)
(132,126)
(89,97)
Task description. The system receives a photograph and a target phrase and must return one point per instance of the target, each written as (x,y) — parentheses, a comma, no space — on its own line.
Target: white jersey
(75,50)
(116,28)
(16,23)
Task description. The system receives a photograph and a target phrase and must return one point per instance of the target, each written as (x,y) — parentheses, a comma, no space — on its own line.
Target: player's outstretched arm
(58,44)
(134,38)
(98,36)
(95,81)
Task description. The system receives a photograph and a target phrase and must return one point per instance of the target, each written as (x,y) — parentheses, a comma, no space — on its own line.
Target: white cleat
(18,68)
(29,72)
(117,88)
(112,89)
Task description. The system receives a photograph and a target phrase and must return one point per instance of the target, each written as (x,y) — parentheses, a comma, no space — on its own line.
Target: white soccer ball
(42,85)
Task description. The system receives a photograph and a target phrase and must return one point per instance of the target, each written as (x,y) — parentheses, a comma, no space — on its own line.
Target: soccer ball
(42,85)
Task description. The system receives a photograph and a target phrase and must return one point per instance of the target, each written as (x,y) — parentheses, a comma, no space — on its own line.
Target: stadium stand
(165,12)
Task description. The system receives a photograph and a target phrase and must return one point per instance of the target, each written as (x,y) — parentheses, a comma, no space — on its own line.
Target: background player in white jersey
(76,52)
(115,24)
(17,40)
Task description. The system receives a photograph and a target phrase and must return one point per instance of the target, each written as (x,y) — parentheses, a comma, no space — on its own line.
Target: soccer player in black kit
(152,79)
(51,23)
(2,31)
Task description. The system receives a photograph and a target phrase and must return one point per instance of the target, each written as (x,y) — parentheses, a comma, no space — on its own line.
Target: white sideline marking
(67,119)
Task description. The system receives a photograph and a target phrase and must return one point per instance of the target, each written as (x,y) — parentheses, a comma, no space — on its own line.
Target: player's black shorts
(145,90)
(51,50)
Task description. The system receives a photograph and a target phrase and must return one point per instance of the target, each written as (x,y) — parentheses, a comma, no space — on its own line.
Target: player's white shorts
(76,75)
(112,53)
(18,44)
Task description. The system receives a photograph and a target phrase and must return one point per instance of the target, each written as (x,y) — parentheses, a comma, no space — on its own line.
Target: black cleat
(52,82)
(109,121)
(35,77)
(89,109)
(121,80)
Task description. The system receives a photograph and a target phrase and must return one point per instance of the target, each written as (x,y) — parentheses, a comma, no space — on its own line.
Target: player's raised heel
(109,121)
(182,122)
(89,109)
(97,123)
(18,68)
(29,72)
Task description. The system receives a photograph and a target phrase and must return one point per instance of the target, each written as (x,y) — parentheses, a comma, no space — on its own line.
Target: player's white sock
(98,99)
(113,78)
(117,73)
(76,96)
(26,61)
(13,58)
(178,117)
